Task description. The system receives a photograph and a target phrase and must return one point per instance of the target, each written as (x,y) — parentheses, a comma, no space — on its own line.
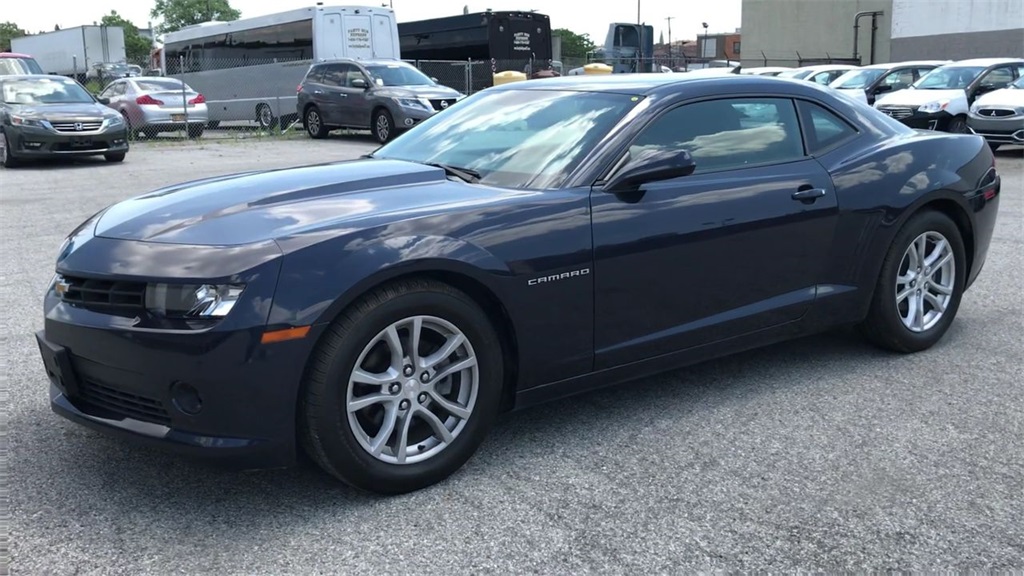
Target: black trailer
(518,41)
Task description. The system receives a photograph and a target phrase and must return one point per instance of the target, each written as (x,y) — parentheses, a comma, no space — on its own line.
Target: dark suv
(384,96)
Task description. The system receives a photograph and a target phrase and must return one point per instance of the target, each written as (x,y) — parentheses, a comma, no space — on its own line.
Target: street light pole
(670,63)
(704,48)
(637,11)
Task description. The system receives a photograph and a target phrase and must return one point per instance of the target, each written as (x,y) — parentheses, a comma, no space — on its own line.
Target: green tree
(574,45)
(9,30)
(176,14)
(136,46)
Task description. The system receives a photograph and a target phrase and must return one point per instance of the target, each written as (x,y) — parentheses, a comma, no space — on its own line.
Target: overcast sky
(581,16)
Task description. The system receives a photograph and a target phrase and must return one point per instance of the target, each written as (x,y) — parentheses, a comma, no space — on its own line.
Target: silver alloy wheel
(924,284)
(412,390)
(313,122)
(266,116)
(3,145)
(383,127)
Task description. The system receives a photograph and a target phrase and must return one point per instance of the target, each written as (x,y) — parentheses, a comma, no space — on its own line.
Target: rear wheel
(403,388)
(314,123)
(265,117)
(920,285)
(195,130)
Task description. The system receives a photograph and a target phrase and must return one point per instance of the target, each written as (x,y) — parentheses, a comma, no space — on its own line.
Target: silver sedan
(152,105)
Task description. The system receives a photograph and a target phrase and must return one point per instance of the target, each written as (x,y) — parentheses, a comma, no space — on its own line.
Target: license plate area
(178,117)
(57,361)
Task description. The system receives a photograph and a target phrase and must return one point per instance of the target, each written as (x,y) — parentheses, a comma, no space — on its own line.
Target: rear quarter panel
(880,186)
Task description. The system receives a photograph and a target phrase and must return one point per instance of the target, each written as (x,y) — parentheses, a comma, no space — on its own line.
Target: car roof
(985,61)
(887,65)
(36,76)
(361,61)
(652,83)
(14,55)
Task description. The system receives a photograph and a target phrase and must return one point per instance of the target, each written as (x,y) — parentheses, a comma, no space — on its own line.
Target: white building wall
(930,17)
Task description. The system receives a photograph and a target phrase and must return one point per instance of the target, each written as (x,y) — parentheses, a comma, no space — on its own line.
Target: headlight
(192,300)
(114,120)
(26,121)
(932,107)
(414,103)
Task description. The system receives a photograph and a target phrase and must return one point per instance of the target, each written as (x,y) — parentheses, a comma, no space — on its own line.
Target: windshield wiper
(465,174)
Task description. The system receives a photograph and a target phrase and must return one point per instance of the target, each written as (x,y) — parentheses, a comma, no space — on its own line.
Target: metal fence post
(184,97)
(74,66)
(469,76)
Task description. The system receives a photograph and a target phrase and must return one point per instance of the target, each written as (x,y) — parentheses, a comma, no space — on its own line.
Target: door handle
(808,195)
(318,91)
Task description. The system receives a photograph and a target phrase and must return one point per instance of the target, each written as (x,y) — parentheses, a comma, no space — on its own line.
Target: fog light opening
(1019,135)
(186,398)
(408,121)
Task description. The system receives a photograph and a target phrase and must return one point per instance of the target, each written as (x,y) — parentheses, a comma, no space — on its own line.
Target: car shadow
(113,478)
(66,162)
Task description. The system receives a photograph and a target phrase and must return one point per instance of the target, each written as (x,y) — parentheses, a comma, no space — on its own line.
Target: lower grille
(106,296)
(76,126)
(124,403)
(897,113)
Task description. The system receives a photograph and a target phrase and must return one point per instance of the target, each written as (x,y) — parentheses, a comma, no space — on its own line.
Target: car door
(996,78)
(355,106)
(735,247)
(328,96)
(895,80)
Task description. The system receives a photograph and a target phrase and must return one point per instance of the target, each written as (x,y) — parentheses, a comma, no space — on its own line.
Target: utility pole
(671,64)
(638,11)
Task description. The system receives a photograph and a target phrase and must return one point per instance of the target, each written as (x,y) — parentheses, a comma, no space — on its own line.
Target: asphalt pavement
(822,454)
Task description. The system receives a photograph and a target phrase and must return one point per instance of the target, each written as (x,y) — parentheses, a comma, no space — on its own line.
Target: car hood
(1010,97)
(63,112)
(914,97)
(855,93)
(416,92)
(269,205)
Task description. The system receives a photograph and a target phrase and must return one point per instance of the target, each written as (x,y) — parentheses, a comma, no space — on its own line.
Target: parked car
(867,82)
(823,74)
(999,115)
(536,240)
(152,105)
(105,72)
(384,96)
(765,70)
(45,116)
(12,63)
(941,99)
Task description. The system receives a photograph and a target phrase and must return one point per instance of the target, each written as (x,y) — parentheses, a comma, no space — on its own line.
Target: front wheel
(114,157)
(315,123)
(958,125)
(920,285)
(6,156)
(383,126)
(403,388)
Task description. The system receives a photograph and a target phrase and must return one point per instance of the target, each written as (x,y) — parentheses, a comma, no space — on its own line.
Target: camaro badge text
(555,277)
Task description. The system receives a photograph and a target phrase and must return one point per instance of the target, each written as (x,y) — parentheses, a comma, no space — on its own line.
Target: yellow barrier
(508,76)
(597,68)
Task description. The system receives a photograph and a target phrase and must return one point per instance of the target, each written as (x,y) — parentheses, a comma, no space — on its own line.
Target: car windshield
(794,73)
(858,78)
(19,66)
(398,75)
(44,91)
(529,139)
(949,78)
(160,85)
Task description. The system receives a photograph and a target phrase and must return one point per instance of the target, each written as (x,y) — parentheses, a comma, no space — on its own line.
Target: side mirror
(104,101)
(883,88)
(434,80)
(359,83)
(652,166)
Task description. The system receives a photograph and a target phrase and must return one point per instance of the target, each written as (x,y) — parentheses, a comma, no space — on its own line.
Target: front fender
(319,281)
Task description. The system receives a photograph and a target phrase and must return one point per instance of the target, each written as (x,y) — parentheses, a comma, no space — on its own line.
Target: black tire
(133,134)
(265,117)
(6,156)
(151,131)
(195,131)
(382,125)
(213,125)
(958,125)
(884,326)
(114,157)
(325,431)
(313,121)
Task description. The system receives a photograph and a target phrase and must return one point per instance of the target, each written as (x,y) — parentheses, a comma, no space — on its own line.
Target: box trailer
(519,41)
(73,51)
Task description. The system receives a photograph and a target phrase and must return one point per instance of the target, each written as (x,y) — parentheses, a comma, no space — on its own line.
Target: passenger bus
(248,69)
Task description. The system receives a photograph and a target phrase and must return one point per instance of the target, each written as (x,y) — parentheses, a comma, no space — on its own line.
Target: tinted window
(998,77)
(334,75)
(899,79)
(824,129)
(728,133)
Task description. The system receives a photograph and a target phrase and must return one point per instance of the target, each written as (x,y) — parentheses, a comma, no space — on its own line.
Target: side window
(114,90)
(1020,70)
(727,133)
(824,129)
(334,75)
(899,79)
(998,77)
(822,78)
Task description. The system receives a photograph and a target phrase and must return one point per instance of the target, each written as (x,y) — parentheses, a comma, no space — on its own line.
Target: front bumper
(37,142)
(1008,130)
(408,117)
(914,118)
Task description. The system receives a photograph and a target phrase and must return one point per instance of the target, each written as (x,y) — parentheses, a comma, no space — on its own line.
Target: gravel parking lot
(821,454)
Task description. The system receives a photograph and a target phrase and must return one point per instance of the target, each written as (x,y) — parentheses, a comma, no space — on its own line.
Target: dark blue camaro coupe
(535,240)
